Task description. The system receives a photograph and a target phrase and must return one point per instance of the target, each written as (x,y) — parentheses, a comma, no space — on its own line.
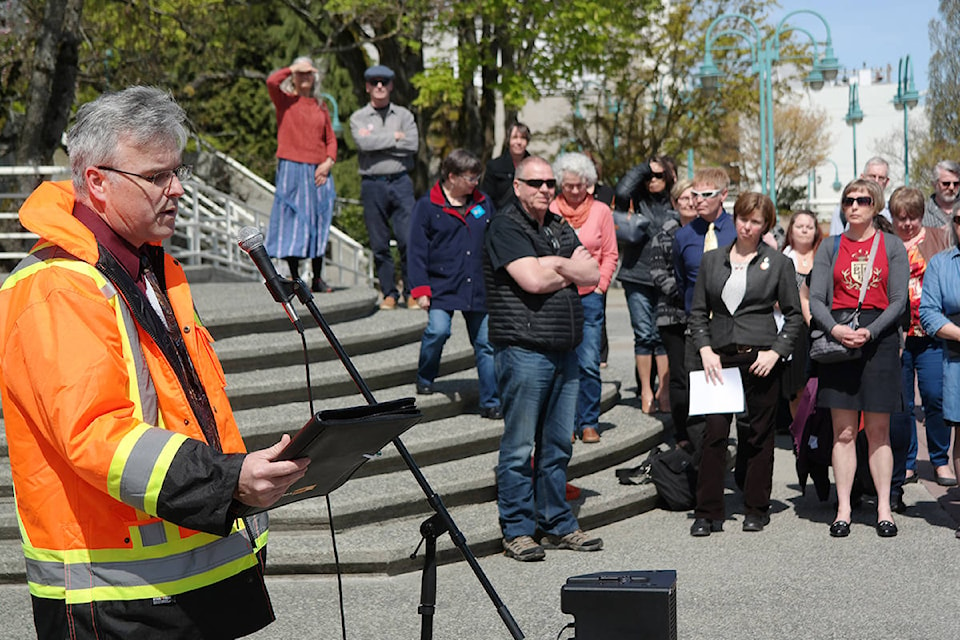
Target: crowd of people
(761,291)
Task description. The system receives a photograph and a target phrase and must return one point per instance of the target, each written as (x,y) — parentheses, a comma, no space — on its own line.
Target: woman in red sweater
(306,150)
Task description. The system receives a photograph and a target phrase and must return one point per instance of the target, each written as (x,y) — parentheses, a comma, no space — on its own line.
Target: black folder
(338,442)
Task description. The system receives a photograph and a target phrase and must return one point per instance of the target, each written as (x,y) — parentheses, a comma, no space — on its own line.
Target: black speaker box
(622,605)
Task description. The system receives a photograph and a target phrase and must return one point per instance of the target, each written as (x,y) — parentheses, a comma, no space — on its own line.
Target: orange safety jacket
(119,497)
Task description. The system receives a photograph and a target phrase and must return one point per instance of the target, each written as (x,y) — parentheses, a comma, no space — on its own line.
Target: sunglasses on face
(536,183)
(657,175)
(946,184)
(706,195)
(375,81)
(863,201)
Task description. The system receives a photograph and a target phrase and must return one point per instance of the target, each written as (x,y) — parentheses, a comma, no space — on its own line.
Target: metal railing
(206,229)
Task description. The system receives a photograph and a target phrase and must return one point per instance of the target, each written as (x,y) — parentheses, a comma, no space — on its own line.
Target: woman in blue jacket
(445,267)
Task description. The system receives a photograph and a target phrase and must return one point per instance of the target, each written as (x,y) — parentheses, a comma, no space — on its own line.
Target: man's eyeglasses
(863,201)
(536,183)
(160,179)
(658,175)
(877,179)
(471,179)
(706,195)
(375,81)
(946,184)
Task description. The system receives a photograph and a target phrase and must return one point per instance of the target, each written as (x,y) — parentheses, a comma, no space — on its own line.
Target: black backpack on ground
(672,471)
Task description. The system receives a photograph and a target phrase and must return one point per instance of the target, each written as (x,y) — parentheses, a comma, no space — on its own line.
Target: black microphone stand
(434,526)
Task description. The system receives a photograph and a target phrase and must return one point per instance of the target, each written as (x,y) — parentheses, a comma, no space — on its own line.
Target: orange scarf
(575,216)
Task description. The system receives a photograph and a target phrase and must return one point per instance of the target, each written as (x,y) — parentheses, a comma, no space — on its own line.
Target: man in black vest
(532,267)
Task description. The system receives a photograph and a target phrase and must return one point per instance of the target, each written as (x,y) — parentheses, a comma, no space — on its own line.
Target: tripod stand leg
(431,529)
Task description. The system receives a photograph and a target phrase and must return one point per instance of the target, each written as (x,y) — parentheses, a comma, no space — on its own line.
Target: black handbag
(823,347)
(630,227)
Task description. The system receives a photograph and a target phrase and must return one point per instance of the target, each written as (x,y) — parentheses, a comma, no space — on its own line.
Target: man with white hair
(942,203)
(876,170)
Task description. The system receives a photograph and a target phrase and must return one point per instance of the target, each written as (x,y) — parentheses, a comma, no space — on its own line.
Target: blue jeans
(923,356)
(538,391)
(435,336)
(388,204)
(588,358)
(641,303)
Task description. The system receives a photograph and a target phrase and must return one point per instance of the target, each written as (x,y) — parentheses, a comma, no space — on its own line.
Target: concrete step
(364,500)
(371,334)
(386,547)
(385,368)
(451,427)
(246,308)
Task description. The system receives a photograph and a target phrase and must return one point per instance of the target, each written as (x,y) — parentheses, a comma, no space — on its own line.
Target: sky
(877,32)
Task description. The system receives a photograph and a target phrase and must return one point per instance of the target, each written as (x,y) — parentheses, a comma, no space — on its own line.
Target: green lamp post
(853,118)
(907,97)
(763,53)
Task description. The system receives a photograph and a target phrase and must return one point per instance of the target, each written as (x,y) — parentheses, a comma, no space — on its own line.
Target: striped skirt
(302,213)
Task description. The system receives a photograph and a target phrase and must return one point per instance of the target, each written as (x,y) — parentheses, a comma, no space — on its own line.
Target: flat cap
(378,71)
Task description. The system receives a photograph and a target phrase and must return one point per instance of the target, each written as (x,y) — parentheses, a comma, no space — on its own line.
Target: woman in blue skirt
(306,151)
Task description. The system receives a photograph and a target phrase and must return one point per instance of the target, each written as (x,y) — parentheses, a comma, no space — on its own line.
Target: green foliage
(943,95)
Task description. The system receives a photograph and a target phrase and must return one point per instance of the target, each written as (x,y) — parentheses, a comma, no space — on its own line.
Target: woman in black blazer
(732,325)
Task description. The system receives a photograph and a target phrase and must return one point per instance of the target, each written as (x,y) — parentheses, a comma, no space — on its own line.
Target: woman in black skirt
(871,383)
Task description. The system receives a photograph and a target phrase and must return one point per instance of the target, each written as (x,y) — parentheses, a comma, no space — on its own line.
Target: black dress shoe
(886,529)
(703,527)
(840,529)
(491,413)
(424,389)
(753,522)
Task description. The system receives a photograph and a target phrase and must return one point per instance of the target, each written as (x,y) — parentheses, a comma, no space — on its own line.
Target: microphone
(251,241)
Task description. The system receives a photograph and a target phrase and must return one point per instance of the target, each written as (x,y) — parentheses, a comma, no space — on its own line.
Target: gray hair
(141,116)
(577,164)
(315,92)
(945,165)
(876,160)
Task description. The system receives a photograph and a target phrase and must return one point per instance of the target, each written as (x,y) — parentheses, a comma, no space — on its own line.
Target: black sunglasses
(946,184)
(863,201)
(658,175)
(375,81)
(536,183)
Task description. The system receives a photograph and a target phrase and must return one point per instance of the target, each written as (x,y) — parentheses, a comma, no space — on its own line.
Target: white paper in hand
(707,397)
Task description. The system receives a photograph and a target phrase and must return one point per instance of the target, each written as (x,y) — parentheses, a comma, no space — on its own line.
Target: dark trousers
(673,339)
(386,204)
(755,445)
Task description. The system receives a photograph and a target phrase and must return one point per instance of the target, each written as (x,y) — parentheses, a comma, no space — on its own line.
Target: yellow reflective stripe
(36,262)
(139,466)
(122,574)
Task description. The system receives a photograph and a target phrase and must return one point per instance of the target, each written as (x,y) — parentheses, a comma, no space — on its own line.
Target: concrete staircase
(376,515)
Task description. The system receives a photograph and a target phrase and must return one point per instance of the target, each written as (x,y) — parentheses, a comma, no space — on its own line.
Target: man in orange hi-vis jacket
(128,466)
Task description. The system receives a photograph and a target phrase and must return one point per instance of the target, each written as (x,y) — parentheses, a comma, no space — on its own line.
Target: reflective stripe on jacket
(118,496)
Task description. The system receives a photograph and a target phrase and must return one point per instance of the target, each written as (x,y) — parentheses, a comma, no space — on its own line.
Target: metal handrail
(207,228)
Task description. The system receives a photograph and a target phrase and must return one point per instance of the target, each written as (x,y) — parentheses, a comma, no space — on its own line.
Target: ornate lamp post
(763,53)
(907,97)
(854,117)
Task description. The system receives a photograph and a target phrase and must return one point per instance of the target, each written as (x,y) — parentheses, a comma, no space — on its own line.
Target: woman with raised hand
(306,151)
